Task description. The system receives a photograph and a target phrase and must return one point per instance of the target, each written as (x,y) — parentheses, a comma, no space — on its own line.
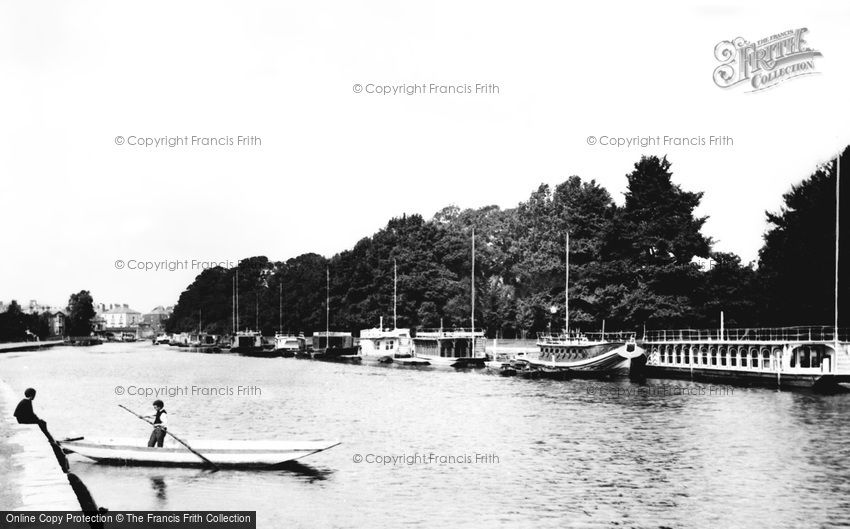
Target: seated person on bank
(25,414)
(160,424)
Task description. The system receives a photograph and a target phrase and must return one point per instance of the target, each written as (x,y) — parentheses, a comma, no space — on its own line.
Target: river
(464,449)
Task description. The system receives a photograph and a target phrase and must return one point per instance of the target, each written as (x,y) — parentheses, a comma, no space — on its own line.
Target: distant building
(121,317)
(156,317)
(34,307)
(57,323)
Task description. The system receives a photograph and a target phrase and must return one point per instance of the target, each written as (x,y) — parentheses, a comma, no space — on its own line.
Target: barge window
(704,358)
(733,357)
(744,359)
(817,357)
(687,357)
(765,360)
(805,358)
(755,357)
(723,357)
(714,358)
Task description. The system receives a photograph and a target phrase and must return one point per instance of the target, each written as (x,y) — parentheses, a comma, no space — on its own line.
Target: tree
(654,240)
(797,261)
(80,314)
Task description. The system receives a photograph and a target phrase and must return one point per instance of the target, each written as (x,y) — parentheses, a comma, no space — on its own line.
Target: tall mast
(328,308)
(395,294)
(237,299)
(257,312)
(472,284)
(200,315)
(233,305)
(567,288)
(837,217)
(280,308)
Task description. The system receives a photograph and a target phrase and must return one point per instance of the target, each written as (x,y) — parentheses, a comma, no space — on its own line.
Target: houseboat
(335,347)
(585,355)
(179,339)
(815,357)
(385,345)
(579,354)
(459,348)
(204,343)
(248,343)
(288,345)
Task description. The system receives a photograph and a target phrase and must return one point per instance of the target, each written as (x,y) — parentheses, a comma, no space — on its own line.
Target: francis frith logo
(764,63)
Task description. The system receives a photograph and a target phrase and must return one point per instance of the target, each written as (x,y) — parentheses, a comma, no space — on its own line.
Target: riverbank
(28,346)
(33,478)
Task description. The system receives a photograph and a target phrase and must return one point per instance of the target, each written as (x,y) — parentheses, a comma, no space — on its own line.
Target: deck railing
(450,332)
(578,337)
(753,334)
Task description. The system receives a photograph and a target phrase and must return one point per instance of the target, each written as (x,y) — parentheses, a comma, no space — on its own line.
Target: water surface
(552,454)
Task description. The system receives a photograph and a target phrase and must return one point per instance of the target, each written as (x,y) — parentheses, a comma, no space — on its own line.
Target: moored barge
(815,357)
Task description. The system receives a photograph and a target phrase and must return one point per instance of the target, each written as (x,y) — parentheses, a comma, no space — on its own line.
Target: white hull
(446,361)
(241,454)
(616,360)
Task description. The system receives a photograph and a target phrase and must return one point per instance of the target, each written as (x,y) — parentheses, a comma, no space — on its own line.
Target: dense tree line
(630,266)
(19,326)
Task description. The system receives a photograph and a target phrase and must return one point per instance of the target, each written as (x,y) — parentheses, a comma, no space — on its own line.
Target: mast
(472,283)
(280,308)
(567,287)
(200,316)
(328,309)
(395,294)
(837,217)
(237,299)
(257,312)
(233,305)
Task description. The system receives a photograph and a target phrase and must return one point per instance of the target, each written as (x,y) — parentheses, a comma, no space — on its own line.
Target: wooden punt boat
(225,454)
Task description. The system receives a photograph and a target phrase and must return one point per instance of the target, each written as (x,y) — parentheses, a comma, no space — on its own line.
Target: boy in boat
(160,424)
(25,414)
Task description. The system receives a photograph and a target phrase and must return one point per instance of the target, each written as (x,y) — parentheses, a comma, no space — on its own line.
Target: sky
(334,164)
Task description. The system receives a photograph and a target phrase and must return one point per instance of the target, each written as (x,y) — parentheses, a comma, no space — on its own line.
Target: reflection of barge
(790,356)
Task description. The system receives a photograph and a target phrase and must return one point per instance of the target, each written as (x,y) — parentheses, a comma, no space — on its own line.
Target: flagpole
(837,218)
(395,294)
(567,288)
(328,309)
(472,281)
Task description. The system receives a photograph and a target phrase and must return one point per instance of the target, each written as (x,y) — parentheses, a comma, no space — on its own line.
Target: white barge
(816,357)
(588,355)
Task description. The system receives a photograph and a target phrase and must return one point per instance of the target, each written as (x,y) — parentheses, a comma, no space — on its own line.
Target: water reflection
(159,487)
(310,474)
